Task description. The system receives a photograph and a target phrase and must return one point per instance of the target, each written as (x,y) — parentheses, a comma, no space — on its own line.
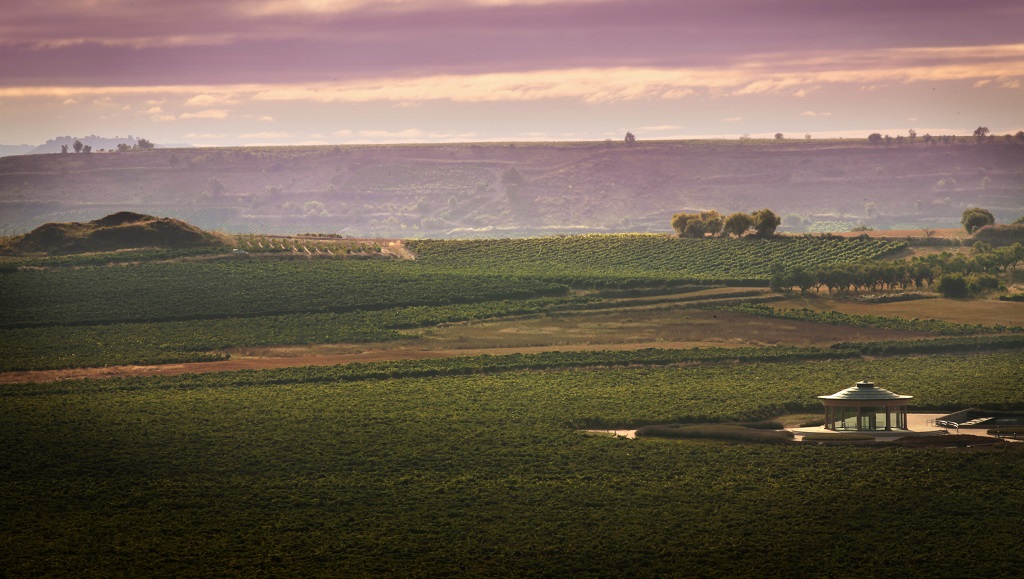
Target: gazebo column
(887,425)
(858,417)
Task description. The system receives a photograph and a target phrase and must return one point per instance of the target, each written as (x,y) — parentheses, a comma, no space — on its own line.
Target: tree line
(982,134)
(957,275)
(761,223)
(80,147)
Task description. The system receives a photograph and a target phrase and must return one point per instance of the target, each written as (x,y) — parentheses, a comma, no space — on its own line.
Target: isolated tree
(875,138)
(807,136)
(737,224)
(64,148)
(912,135)
(980,133)
(145,144)
(78,146)
(1019,137)
(87,148)
(975,218)
(928,139)
(779,136)
(766,222)
(630,138)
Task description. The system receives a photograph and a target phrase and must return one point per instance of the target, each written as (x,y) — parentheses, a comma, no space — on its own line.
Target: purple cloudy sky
(343,71)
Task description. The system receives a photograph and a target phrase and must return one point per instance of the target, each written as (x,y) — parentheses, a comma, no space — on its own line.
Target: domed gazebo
(865,407)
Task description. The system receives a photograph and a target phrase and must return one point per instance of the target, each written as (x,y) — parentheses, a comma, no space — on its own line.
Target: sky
(283,72)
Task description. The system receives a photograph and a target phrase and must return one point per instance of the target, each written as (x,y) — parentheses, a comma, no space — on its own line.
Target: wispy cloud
(206,114)
(210,100)
(406,135)
(659,128)
(266,135)
(588,85)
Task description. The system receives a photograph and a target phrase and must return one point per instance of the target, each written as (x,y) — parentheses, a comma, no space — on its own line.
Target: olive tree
(766,222)
(975,218)
(737,224)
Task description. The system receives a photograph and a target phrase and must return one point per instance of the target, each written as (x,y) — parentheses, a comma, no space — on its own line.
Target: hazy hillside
(518,189)
(6,150)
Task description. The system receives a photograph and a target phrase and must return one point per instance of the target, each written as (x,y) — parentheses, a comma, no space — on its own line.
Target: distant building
(865,407)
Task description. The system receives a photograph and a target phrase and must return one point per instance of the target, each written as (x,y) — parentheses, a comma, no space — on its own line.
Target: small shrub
(980,283)
(953,285)
(761,425)
(1007,431)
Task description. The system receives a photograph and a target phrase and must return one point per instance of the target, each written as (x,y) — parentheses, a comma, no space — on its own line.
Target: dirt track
(272,362)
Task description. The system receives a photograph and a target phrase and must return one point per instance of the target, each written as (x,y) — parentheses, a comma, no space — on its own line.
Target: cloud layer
(244,59)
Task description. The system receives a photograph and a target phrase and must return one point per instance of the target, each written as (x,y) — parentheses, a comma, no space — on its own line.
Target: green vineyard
(610,259)
(281,473)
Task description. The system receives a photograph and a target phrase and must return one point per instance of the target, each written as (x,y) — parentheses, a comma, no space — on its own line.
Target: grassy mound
(124,230)
(1001,234)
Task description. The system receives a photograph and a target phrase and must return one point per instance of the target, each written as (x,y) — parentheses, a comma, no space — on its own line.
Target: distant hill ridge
(517,189)
(96,142)
(123,230)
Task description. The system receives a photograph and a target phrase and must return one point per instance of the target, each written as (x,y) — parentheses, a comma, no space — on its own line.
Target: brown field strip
(988,312)
(625,329)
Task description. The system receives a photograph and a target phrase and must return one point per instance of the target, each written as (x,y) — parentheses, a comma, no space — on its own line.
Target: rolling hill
(517,189)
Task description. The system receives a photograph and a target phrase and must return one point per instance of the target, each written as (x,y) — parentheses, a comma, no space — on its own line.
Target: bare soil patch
(944,233)
(988,312)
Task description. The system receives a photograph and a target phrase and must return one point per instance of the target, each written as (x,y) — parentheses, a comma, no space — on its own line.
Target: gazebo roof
(865,391)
